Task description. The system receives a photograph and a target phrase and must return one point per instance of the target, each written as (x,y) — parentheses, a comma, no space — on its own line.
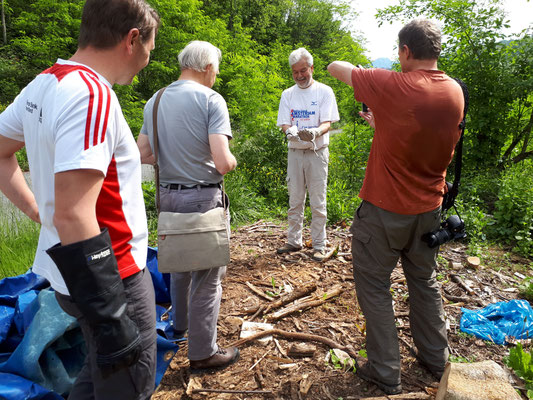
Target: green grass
(18,241)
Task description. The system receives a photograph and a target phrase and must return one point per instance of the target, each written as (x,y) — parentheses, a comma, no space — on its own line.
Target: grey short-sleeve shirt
(188,113)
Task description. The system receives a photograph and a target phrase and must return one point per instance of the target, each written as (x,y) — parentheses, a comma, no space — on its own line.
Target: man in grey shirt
(193,132)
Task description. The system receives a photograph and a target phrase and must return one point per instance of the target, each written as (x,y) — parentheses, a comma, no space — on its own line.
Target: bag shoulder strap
(156,146)
(453,191)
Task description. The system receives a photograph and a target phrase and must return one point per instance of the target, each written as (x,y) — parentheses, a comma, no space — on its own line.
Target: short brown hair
(423,39)
(104,23)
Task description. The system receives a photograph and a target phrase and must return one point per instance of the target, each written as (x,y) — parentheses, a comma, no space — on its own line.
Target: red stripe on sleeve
(89,111)
(104,128)
(98,110)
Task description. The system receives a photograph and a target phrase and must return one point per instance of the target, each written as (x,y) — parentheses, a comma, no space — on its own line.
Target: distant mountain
(382,62)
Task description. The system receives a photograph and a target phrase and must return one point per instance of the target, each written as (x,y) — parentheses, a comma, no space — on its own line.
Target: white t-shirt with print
(70,118)
(308,108)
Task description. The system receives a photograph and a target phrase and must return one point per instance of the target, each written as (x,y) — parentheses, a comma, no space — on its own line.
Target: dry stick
(406,396)
(285,299)
(258,361)
(259,311)
(304,305)
(296,336)
(457,279)
(231,391)
(330,253)
(258,292)
(290,297)
(456,299)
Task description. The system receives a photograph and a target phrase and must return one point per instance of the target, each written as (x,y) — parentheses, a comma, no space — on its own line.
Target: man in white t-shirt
(86,176)
(306,112)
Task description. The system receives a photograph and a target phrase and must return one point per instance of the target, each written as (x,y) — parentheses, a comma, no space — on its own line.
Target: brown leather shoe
(218,361)
(288,248)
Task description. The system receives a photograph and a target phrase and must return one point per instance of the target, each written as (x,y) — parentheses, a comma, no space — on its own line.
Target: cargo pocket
(361,236)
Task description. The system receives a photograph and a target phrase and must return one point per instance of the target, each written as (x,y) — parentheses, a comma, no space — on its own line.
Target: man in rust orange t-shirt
(416,115)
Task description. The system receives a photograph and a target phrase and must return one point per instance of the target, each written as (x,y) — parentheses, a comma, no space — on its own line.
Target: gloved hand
(292,133)
(309,134)
(90,271)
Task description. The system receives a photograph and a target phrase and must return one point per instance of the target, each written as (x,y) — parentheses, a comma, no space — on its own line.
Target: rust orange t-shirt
(417,116)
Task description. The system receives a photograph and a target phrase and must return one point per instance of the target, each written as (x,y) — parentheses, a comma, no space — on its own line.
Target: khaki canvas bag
(189,241)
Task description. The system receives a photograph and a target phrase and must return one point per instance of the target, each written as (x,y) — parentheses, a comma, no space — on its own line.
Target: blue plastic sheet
(42,348)
(499,321)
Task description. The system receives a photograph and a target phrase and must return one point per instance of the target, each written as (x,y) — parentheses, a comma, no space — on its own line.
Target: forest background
(256,37)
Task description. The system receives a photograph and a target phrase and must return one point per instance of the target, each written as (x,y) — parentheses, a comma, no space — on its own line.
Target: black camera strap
(453,189)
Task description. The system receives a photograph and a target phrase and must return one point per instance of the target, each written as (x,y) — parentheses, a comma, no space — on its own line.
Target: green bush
(513,213)
(262,161)
(521,362)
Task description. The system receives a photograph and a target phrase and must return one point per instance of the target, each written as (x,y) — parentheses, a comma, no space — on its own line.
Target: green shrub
(513,214)
(522,363)
(526,288)
(246,206)
(262,161)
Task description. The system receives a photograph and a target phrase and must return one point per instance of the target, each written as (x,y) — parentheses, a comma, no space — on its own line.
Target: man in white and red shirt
(86,176)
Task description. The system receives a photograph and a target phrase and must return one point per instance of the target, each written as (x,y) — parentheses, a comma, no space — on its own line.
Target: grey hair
(197,55)
(300,54)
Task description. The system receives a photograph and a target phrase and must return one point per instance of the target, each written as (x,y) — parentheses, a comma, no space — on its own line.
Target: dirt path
(272,371)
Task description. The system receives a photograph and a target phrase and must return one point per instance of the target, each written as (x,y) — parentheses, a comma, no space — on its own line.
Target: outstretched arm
(342,71)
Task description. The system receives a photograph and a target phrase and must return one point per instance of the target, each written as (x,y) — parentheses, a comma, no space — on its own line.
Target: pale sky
(381,42)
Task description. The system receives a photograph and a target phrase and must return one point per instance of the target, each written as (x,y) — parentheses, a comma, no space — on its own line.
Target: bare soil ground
(274,371)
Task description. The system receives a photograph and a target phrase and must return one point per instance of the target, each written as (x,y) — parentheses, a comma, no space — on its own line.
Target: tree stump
(484,380)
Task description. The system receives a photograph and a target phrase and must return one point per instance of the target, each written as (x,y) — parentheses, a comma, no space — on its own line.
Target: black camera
(451,229)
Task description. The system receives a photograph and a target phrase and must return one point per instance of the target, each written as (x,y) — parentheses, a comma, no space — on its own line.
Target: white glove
(310,134)
(292,133)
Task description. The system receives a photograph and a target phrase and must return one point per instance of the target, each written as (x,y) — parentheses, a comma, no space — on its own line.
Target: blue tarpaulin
(42,348)
(499,321)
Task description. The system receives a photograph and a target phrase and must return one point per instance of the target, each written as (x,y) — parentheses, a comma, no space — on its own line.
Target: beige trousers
(307,171)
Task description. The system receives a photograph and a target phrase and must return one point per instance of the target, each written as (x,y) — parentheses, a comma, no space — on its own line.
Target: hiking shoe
(288,248)
(435,371)
(218,361)
(319,255)
(365,372)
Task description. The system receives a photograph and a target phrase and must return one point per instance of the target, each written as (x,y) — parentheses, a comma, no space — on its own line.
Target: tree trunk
(524,134)
(4,31)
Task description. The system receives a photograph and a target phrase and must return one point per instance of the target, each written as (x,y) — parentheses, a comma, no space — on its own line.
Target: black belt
(178,186)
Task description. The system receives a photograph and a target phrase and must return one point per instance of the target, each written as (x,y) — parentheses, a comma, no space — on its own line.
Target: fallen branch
(457,279)
(304,305)
(406,396)
(258,292)
(456,299)
(297,336)
(285,299)
(290,297)
(231,391)
(330,253)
